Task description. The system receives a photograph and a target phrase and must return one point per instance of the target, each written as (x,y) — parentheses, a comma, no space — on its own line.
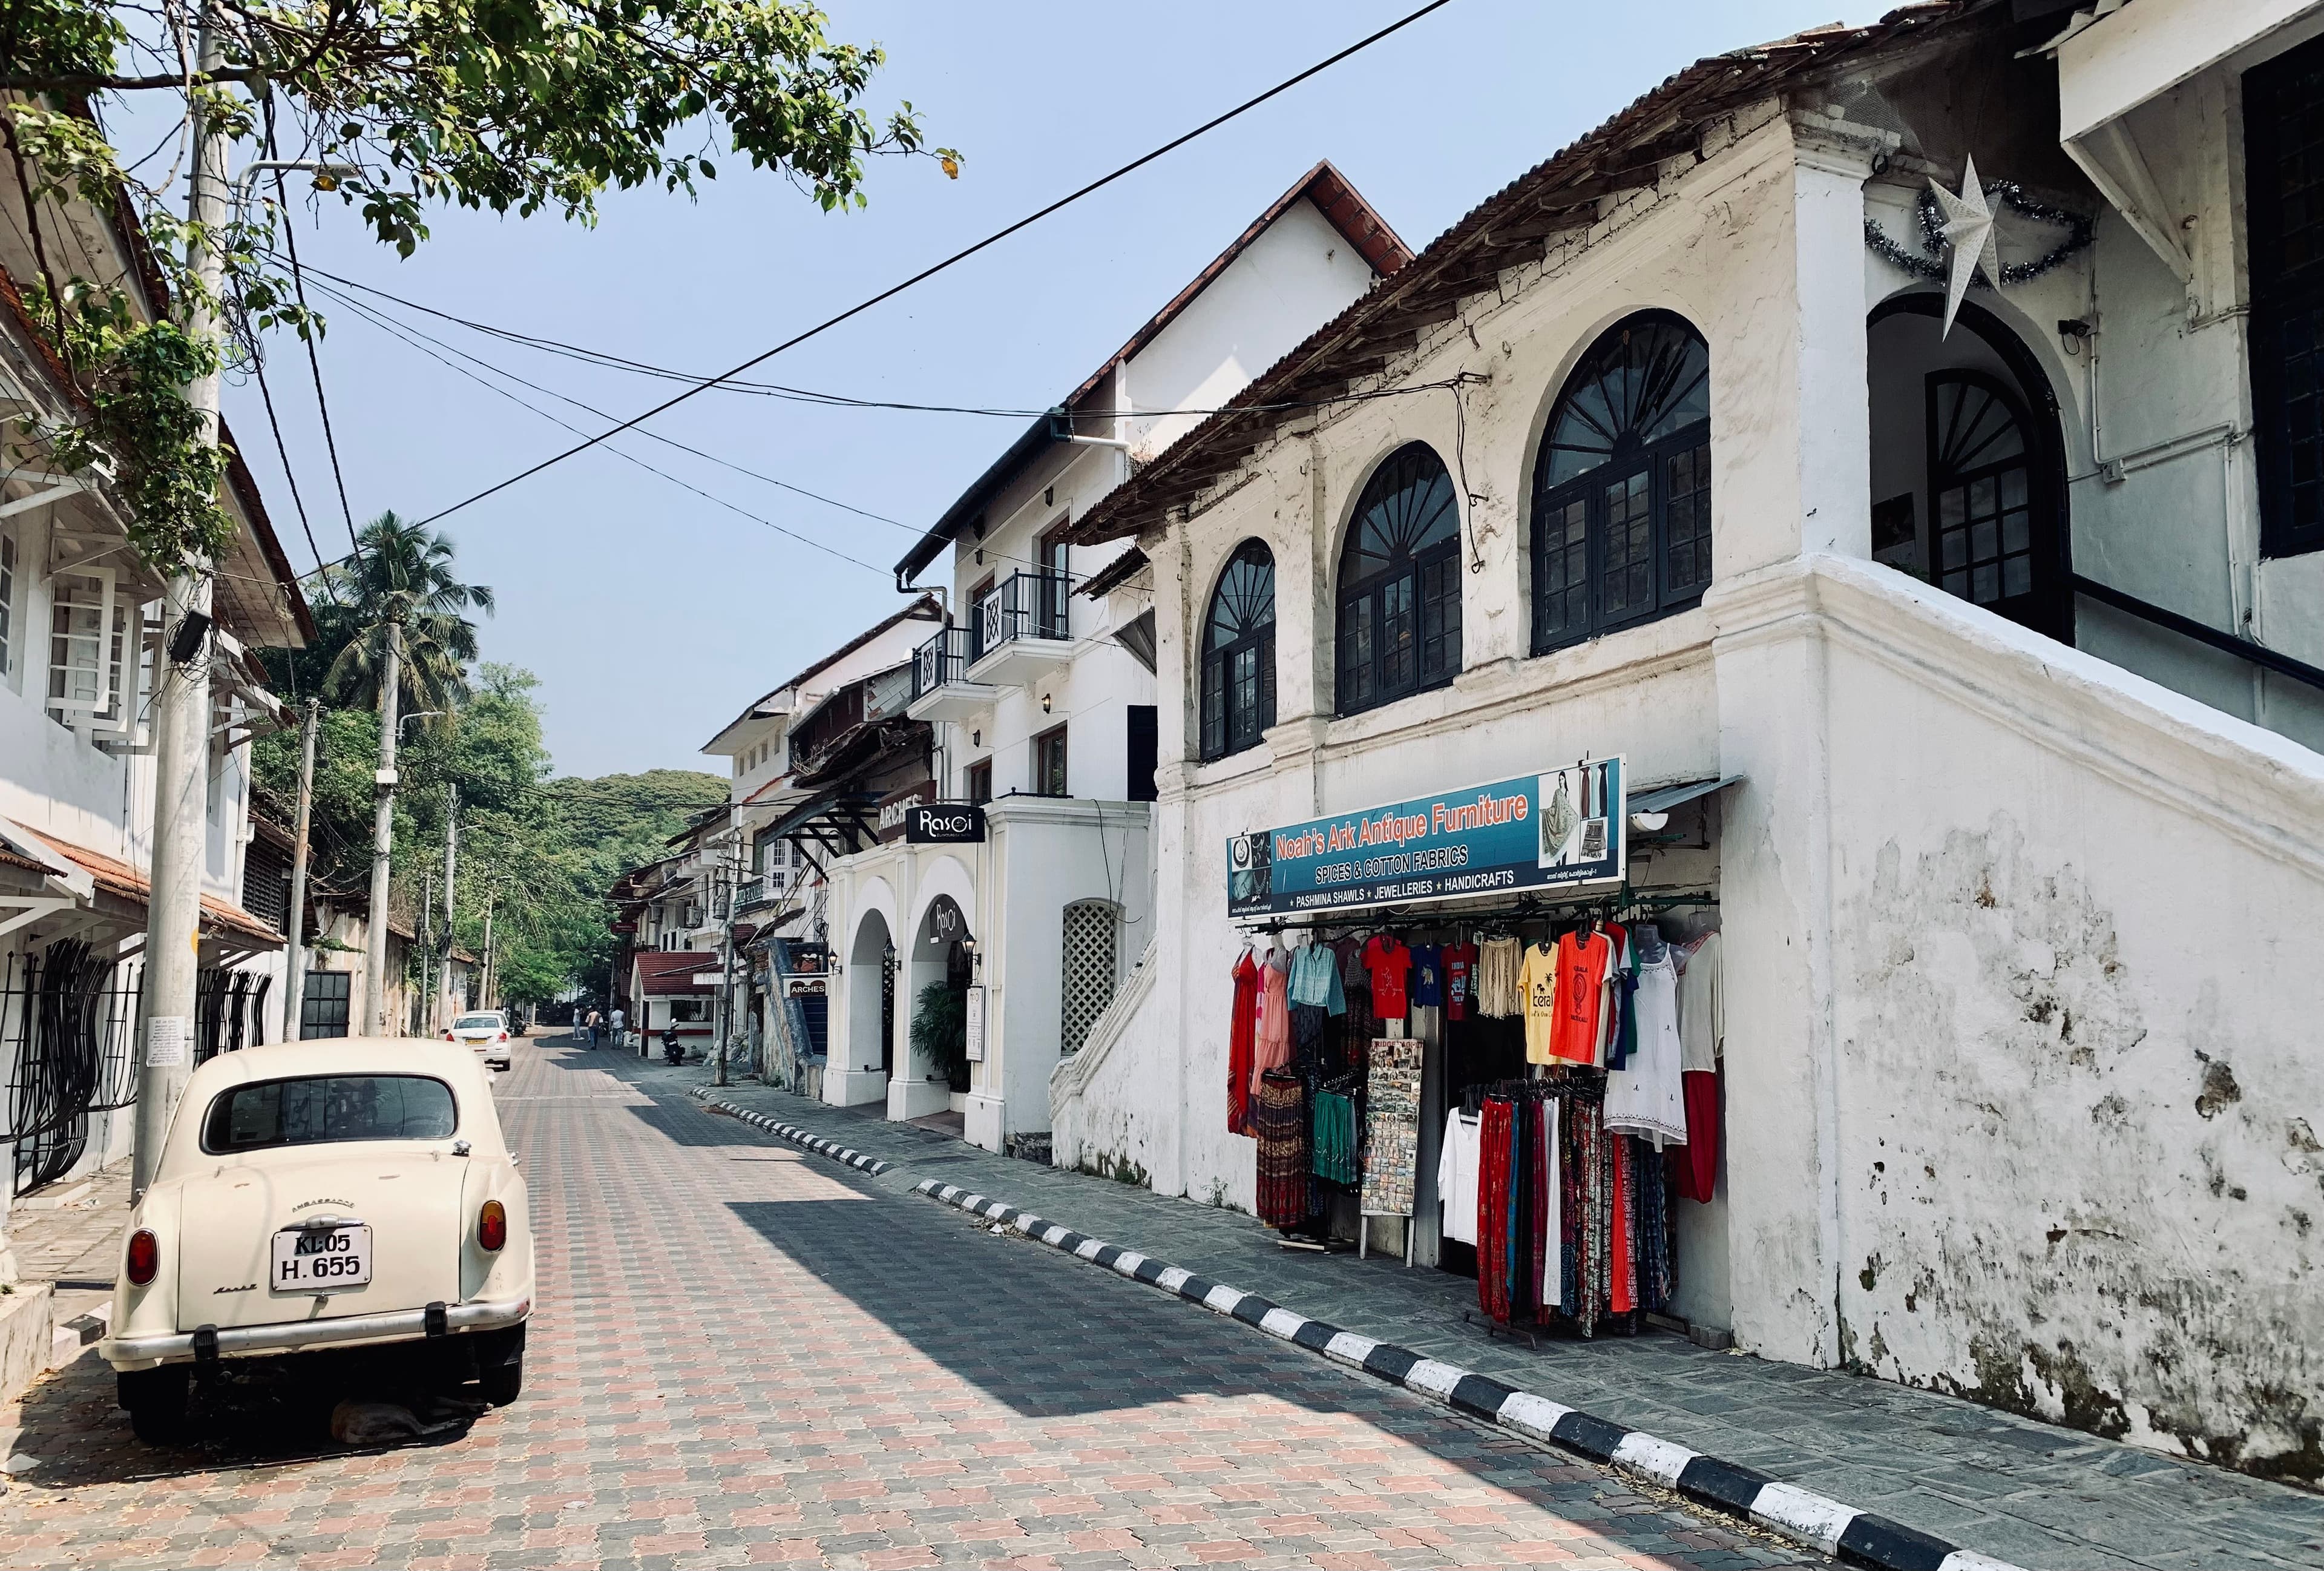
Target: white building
(80,626)
(2003,643)
(1041,695)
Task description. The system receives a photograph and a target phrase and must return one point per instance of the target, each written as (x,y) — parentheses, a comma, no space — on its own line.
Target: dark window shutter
(1144,750)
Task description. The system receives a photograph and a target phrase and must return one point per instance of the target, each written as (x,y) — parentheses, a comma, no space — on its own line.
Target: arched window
(1981,487)
(1621,508)
(1239,654)
(1400,624)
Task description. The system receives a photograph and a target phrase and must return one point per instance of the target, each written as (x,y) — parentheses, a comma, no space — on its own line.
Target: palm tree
(402,580)
(402,599)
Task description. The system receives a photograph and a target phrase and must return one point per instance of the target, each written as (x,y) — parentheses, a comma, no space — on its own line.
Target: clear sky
(653,614)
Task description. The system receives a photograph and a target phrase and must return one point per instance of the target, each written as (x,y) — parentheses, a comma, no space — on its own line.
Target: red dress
(1241,1030)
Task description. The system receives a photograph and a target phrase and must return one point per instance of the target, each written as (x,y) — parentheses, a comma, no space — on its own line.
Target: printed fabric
(1537,982)
(1243,1029)
(1459,975)
(1493,1208)
(1390,964)
(1278,1123)
(1427,990)
(1581,967)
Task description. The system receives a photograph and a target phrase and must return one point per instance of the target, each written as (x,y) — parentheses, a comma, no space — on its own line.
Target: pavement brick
(785,1362)
(2039,1495)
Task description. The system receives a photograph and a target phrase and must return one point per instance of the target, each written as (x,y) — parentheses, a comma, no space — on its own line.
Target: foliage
(507,106)
(402,580)
(940,1031)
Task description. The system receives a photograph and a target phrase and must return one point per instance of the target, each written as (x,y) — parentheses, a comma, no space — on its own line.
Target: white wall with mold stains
(2020,1103)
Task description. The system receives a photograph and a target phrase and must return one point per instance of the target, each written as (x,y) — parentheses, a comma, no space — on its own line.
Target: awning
(840,820)
(1663,798)
(111,875)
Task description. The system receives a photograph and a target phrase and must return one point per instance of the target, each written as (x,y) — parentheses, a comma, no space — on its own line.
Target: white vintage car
(327,1194)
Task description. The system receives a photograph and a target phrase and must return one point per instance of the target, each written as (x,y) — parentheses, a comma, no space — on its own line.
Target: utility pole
(733,879)
(181,698)
(485,998)
(451,855)
(295,951)
(421,1007)
(382,836)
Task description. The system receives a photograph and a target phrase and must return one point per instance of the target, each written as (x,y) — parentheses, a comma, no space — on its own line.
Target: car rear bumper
(295,1336)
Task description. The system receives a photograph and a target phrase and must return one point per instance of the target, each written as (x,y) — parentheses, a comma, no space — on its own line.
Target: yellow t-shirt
(1537,988)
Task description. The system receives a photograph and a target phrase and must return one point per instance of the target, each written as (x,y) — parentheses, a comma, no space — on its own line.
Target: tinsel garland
(1932,265)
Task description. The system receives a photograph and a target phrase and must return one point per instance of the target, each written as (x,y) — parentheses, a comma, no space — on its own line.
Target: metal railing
(940,660)
(1022,605)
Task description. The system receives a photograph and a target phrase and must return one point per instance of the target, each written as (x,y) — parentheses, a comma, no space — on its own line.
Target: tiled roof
(117,877)
(668,973)
(1512,227)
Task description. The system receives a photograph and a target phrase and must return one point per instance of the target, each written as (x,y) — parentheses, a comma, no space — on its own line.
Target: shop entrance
(943,965)
(872,995)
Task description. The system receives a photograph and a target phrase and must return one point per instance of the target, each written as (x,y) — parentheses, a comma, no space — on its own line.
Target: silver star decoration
(1969,228)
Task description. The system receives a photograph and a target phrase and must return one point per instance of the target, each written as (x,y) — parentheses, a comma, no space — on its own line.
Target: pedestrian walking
(593,1028)
(621,1030)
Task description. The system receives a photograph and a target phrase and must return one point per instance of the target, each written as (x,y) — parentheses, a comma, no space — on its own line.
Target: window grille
(1621,511)
(1400,596)
(1092,948)
(1237,683)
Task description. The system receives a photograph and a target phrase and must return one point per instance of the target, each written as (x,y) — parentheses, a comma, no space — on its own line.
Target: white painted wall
(1989,903)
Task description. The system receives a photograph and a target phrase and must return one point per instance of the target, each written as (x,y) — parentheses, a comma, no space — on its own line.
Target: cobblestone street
(746,1354)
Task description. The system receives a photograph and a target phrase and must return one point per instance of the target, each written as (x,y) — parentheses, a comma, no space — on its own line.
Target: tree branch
(38,82)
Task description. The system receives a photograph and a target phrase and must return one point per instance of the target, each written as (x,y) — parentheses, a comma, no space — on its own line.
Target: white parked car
(326,1193)
(487,1031)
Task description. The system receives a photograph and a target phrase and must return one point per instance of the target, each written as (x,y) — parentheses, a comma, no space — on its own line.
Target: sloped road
(745,1355)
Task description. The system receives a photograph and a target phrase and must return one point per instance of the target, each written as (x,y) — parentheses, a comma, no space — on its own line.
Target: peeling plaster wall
(2076,1158)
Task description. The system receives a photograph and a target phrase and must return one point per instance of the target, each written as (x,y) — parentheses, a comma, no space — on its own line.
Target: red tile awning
(116,877)
(671,972)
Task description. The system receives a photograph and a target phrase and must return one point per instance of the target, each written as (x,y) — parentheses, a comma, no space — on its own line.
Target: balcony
(941,689)
(1022,629)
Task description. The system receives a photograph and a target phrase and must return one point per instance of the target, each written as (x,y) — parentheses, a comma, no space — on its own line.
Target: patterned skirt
(1278,1123)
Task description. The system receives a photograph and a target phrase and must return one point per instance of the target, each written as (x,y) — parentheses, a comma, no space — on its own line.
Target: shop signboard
(1558,829)
(975,1007)
(944,824)
(895,809)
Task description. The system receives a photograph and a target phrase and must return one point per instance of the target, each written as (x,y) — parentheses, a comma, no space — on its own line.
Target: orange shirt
(1581,990)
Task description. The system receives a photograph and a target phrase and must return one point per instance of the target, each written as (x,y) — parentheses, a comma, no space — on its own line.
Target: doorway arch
(943,956)
(1968,470)
(871,996)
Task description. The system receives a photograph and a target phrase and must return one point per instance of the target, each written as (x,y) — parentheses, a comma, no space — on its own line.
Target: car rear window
(478,1023)
(324,1108)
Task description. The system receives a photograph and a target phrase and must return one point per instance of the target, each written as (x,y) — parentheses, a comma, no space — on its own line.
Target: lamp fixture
(1044,703)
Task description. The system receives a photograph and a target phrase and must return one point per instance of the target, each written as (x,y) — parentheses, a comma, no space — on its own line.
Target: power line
(315,367)
(282,453)
(410,338)
(405,333)
(955,259)
(381,321)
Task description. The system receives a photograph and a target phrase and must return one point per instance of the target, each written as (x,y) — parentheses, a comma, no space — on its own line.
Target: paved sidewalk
(2041,1496)
(75,1245)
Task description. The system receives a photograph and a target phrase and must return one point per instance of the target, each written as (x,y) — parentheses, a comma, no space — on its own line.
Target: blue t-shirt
(1428,975)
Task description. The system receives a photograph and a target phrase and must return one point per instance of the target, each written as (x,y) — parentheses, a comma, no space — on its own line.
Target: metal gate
(68,1024)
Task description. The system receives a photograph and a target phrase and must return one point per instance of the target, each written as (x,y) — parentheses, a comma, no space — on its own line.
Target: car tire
(499,1365)
(156,1401)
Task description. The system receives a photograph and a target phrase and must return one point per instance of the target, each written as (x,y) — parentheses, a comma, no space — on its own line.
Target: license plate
(321,1260)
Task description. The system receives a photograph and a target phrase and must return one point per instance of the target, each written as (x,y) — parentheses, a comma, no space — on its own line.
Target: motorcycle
(673,1051)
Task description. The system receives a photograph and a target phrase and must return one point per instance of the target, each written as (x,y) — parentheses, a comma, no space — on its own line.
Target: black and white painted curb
(1857,1537)
(796,1135)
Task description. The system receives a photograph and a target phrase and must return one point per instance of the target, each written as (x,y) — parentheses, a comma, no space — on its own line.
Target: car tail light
(502,1037)
(447,1036)
(491,1226)
(144,1257)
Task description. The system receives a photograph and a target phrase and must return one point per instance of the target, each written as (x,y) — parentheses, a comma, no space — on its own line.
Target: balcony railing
(1022,605)
(941,659)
